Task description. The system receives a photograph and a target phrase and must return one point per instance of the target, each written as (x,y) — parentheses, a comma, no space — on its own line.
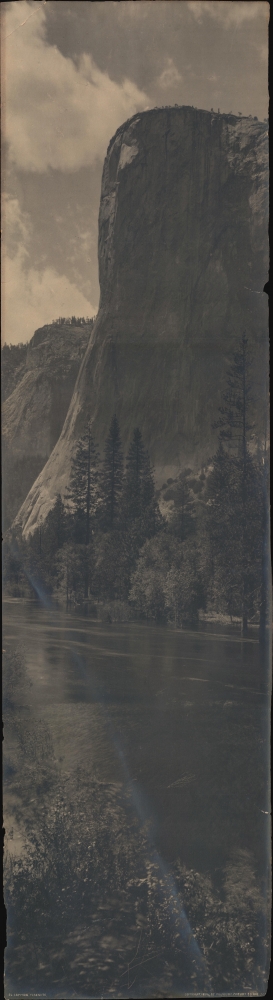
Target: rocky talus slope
(183,259)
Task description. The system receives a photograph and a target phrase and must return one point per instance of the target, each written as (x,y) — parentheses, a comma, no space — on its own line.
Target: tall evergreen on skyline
(234,422)
(139,501)
(83,492)
(84,497)
(183,521)
(133,487)
(53,535)
(234,494)
(112,478)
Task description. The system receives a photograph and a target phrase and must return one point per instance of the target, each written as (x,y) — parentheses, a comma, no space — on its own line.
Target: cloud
(31,298)
(230,13)
(16,225)
(169,76)
(58,114)
(135,10)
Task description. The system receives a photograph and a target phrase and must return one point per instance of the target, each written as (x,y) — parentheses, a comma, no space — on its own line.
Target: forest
(107,544)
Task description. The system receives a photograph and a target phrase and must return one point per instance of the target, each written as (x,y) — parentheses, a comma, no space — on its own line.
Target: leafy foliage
(234,526)
(167,581)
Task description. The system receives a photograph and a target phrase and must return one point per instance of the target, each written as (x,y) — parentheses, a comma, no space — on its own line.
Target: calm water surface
(136,808)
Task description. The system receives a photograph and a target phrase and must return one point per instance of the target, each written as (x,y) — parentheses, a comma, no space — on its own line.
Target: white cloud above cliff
(58,114)
(72,72)
(169,76)
(31,297)
(228,12)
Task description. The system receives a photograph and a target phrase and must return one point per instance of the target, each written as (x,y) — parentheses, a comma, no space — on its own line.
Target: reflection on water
(136,809)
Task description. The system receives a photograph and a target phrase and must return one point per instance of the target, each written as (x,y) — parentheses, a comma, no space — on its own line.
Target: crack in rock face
(183,246)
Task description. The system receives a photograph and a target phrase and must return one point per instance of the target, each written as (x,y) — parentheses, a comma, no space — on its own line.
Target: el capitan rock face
(182,265)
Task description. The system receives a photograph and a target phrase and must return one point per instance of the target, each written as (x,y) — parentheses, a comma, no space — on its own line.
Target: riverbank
(136,807)
(121,611)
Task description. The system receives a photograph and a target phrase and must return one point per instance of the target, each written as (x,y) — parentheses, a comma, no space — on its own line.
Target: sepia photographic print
(135,498)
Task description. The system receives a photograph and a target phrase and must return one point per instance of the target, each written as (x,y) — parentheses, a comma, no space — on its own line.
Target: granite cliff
(183,259)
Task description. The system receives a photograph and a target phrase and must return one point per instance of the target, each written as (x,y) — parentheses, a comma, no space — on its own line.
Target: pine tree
(84,497)
(234,423)
(152,520)
(54,534)
(70,573)
(233,494)
(132,493)
(112,478)
(83,492)
(139,502)
(183,521)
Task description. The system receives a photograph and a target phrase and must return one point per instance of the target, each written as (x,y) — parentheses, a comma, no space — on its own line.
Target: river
(136,808)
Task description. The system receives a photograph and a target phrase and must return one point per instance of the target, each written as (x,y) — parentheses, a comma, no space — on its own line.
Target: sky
(72,72)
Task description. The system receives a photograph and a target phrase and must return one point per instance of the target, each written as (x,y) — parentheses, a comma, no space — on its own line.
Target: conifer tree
(69,572)
(84,497)
(112,478)
(132,494)
(183,521)
(54,534)
(234,421)
(139,502)
(234,494)
(83,492)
